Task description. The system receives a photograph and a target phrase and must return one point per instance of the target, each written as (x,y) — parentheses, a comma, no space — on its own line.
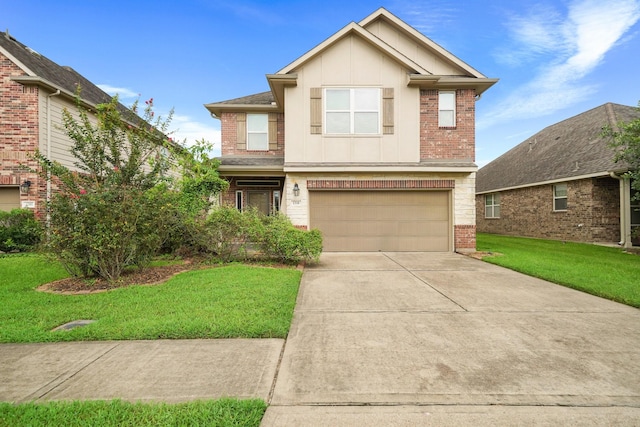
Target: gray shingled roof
(63,77)
(568,149)
(263,98)
(251,161)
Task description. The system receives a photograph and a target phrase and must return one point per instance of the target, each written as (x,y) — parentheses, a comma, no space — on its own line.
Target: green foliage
(215,413)
(627,142)
(200,179)
(227,232)
(279,239)
(104,218)
(235,301)
(231,235)
(19,230)
(104,230)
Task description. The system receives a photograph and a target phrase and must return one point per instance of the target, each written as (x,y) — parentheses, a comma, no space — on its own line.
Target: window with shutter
(352,111)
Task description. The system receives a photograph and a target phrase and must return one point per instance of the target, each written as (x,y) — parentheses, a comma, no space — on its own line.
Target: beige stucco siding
(352,62)
(412,49)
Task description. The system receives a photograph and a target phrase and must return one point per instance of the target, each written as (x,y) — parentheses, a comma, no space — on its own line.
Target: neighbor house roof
(571,149)
(40,70)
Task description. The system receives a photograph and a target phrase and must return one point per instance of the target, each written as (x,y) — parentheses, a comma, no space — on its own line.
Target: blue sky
(554,58)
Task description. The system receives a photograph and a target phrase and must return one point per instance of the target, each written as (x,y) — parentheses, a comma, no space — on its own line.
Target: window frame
(239,200)
(442,123)
(557,198)
(352,111)
(265,132)
(495,203)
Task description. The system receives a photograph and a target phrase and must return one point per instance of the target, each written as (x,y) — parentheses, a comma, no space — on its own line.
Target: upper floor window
(258,132)
(492,205)
(352,111)
(560,197)
(447,108)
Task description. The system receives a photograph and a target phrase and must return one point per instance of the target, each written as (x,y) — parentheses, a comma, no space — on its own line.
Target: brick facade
(465,238)
(19,132)
(438,143)
(592,215)
(229,134)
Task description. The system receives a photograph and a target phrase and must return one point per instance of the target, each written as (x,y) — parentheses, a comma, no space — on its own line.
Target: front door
(259,200)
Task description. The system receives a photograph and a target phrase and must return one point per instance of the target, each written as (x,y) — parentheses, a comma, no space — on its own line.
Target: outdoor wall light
(296,190)
(24,187)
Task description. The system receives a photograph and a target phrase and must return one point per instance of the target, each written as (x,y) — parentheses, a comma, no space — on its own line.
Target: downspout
(625,211)
(48,196)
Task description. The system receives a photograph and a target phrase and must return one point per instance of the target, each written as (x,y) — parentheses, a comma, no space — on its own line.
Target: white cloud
(123,93)
(188,131)
(575,45)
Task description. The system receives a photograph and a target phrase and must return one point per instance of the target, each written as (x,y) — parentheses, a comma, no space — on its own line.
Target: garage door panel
(9,198)
(382,220)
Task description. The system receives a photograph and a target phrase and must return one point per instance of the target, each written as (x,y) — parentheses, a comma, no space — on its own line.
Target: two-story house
(369,137)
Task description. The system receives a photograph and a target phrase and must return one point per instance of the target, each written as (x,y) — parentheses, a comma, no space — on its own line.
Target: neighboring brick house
(33,93)
(562,183)
(369,137)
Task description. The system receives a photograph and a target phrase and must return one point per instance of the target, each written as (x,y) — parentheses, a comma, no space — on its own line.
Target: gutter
(625,210)
(48,195)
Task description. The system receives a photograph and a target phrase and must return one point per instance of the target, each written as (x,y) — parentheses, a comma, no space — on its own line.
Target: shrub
(19,230)
(103,231)
(230,235)
(227,232)
(280,240)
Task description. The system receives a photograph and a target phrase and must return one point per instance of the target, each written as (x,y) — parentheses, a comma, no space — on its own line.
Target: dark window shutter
(387,111)
(316,110)
(241,120)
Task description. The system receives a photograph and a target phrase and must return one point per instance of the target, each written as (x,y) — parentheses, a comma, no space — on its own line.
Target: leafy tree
(107,215)
(626,141)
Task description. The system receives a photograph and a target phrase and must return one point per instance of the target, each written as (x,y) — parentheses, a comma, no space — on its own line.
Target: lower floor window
(492,205)
(560,197)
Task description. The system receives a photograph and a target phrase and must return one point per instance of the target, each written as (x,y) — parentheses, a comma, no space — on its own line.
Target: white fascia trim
(553,181)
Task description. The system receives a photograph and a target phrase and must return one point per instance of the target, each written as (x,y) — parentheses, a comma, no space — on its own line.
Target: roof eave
(277,83)
(447,82)
(216,110)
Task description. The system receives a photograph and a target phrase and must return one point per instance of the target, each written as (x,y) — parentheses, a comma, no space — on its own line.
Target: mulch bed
(146,276)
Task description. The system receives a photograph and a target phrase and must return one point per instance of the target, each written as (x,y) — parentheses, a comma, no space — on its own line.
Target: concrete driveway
(443,339)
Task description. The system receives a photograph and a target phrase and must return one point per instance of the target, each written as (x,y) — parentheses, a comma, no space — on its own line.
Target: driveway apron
(444,339)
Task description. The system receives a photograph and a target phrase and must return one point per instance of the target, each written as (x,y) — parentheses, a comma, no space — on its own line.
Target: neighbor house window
(492,205)
(560,197)
(447,108)
(352,111)
(258,132)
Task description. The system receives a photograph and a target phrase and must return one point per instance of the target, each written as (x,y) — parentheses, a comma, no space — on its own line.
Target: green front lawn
(221,413)
(224,302)
(603,271)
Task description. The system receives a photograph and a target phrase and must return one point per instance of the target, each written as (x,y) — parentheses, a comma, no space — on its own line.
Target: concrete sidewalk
(163,370)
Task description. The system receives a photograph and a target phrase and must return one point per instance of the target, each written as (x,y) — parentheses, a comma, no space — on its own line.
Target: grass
(603,271)
(224,302)
(224,412)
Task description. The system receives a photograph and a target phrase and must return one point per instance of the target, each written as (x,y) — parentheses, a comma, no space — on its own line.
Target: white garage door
(382,220)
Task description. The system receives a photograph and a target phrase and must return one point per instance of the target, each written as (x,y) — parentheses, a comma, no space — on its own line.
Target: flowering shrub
(107,216)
